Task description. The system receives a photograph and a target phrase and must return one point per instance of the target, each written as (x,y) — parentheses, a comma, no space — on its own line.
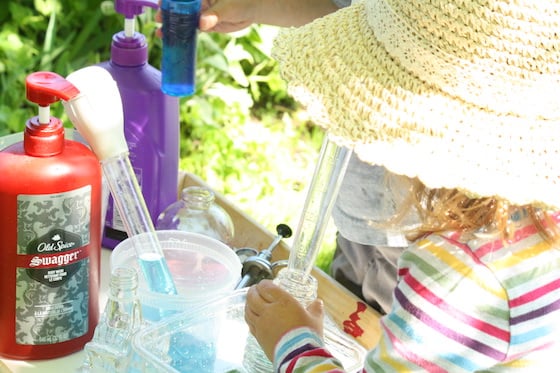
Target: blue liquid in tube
(180,27)
(157,274)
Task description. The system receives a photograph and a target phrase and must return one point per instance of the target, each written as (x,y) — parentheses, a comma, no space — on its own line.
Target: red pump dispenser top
(44,135)
(45,88)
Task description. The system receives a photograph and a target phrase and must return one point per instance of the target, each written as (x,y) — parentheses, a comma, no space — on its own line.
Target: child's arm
(302,348)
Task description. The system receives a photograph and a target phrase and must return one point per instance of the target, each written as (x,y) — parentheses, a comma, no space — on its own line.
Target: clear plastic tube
(323,190)
(131,206)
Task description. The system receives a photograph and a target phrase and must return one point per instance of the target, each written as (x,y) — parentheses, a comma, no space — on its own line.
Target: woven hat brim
(367,101)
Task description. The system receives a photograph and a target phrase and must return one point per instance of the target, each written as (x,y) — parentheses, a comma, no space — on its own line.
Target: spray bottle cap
(44,136)
(97,113)
(129,48)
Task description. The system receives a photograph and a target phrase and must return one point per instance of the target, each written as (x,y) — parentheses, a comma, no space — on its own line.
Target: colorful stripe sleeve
(302,350)
(450,313)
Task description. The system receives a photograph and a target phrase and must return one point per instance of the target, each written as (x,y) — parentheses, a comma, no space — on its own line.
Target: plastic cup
(202,269)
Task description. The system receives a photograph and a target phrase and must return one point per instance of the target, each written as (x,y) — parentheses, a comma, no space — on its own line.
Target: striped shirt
(460,305)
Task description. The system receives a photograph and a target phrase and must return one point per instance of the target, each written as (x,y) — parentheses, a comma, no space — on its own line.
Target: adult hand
(227,15)
(222,15)
(233,15)
(271,312)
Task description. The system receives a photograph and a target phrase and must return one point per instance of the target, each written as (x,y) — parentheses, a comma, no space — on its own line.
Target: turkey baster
(98,116)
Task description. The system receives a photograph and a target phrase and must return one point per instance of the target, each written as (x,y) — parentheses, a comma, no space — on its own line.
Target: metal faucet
(258,267)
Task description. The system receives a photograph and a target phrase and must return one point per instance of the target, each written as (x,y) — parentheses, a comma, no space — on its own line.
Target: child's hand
(271,311)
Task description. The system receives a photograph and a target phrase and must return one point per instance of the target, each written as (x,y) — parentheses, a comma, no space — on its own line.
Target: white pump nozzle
(129,27)
(97,111)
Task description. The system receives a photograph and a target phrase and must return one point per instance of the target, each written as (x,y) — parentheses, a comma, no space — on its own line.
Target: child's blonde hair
(442,209)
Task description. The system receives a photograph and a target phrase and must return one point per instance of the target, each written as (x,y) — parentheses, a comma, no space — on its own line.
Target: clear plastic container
(162,347)
(202,269)
(198,212)
(216,338)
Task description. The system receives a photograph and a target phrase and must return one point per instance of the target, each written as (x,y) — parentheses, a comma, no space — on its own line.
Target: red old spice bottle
(50,198)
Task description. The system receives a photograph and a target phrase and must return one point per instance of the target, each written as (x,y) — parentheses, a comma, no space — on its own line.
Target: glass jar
(198,212)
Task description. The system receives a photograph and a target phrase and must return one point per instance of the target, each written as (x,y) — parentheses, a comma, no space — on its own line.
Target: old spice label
(52,258)
(52,267)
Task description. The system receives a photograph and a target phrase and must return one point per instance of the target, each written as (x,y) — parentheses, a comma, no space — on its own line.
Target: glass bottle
(110,350)
(198,212)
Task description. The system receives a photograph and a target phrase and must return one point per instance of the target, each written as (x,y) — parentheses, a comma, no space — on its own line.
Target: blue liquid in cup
(191,355)
(180,26)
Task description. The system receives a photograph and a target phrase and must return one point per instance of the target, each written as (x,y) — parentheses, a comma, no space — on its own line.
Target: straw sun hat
(460,93)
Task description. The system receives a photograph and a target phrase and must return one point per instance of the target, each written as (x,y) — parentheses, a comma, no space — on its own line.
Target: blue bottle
(179,27)
(151,120)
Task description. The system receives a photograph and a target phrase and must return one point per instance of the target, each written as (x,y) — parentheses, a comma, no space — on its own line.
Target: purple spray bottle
(151,120)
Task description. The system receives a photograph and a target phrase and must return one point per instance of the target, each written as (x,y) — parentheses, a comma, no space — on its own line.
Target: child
(461,98)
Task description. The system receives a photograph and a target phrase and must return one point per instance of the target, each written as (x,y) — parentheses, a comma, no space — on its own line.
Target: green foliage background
(240,131)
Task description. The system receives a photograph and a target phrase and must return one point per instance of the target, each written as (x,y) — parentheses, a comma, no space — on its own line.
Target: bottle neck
(124,283)
(199,198)
(43,140)
(129,51)
(301,286)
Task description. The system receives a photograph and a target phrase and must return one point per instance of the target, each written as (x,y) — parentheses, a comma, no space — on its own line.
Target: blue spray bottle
(151,120)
